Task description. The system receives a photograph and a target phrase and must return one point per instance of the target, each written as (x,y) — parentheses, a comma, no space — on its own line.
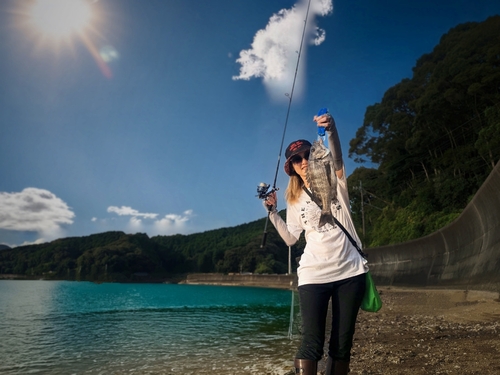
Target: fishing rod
(263,189)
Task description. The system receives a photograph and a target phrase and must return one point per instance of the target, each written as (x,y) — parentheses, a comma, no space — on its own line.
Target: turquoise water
(61,327)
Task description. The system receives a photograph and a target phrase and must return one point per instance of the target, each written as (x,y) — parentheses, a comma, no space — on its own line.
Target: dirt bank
(429,332)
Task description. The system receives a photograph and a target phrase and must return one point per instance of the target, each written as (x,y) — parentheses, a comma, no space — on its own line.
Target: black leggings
(346,298)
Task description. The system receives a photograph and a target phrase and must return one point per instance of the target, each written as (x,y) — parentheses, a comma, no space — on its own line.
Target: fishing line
(262,189)
(291,94)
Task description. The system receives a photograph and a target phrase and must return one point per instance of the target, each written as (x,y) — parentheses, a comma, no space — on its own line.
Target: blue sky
(163,116)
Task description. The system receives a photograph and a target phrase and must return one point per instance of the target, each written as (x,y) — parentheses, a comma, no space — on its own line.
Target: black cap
(293,149)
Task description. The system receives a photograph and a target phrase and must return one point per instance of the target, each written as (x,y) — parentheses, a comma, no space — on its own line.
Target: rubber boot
(306,366)
(336,367)
(341,368)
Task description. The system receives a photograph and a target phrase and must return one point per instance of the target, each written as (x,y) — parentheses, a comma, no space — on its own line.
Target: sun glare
(60,18)
(56,23)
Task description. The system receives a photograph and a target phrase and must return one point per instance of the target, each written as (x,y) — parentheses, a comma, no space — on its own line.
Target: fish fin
(326,217)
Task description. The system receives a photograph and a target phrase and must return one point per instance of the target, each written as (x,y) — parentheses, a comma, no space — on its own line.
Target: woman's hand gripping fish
(322,180)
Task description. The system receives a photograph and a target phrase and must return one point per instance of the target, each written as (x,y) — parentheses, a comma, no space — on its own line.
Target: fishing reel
(262,190)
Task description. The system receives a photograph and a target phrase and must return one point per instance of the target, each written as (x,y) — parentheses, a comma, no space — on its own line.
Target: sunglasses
(296,159)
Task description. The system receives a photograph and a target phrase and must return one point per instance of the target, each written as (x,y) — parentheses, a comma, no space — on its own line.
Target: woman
(330,267)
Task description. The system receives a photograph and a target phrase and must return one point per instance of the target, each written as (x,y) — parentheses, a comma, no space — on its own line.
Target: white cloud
(34,210)
(170,223)
(135,223)
(36,242)
(173,220)
(129,211)
(273,54)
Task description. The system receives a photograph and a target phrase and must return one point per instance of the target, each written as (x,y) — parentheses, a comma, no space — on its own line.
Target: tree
(434,136)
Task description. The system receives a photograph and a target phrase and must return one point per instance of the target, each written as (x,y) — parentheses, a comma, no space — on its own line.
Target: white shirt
(328,255)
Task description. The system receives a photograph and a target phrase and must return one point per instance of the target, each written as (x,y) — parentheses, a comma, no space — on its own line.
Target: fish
(322,180)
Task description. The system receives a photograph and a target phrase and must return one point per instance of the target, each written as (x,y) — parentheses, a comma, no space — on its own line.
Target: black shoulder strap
(354,243)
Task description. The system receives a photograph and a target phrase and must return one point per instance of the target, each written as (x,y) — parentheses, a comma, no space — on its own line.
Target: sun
(60,18)
(61,23)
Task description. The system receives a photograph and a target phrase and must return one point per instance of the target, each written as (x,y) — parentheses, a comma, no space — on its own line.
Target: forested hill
(434,138)
(116,256)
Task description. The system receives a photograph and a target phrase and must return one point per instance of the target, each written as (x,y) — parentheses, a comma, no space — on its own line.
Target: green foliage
(434,138)
(116,256)
(396,225)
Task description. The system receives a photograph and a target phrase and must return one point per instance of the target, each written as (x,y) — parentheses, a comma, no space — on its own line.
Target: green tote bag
(371,300)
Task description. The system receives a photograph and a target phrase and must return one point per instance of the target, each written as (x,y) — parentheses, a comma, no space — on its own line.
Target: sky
(163,116)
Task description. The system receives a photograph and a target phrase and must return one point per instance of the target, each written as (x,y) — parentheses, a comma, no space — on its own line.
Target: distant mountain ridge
(117,256)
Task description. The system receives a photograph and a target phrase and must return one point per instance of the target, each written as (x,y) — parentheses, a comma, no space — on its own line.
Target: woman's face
(299,163)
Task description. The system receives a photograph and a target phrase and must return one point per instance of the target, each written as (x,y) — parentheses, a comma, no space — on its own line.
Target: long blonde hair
(294,188)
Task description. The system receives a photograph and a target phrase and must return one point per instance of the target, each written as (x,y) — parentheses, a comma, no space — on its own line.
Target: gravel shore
(426,331)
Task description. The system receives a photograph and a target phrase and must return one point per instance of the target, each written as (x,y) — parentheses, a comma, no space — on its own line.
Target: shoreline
(275,281)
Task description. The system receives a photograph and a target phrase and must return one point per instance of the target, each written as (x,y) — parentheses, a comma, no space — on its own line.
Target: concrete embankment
(464,254)
(266,281)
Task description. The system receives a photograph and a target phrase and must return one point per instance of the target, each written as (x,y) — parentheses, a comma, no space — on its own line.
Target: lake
(63,327)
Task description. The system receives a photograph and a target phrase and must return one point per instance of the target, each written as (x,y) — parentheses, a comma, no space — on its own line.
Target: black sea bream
(322,180)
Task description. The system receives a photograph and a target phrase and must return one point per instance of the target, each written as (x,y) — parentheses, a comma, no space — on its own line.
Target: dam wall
(464,254)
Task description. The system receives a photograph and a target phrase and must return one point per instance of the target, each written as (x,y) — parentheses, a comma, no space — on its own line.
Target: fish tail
(326,217)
